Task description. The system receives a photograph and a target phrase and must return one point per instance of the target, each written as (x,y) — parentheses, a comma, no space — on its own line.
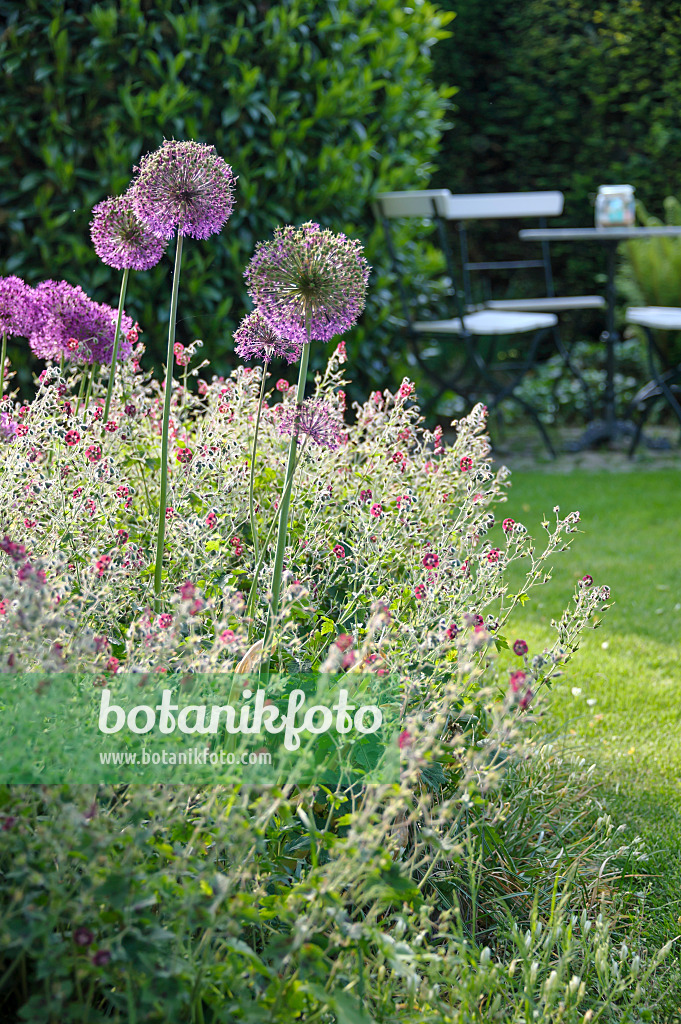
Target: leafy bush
(316,105)
(650,275)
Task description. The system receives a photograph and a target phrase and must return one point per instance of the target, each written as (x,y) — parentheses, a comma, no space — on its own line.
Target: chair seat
(555,304)
(663,318)
(490,321)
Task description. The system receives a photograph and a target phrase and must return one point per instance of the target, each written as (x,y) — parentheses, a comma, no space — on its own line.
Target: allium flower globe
(255,339)
(308,278)
(184,186)
(64,312)
(16,307)
(121,239)
(313,419)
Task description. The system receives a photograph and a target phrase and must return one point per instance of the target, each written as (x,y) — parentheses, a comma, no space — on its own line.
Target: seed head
(121,239)
(184,186)
(311,275)
(255,339)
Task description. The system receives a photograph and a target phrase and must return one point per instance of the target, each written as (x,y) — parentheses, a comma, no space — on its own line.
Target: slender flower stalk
(114,355)
(3,357)
(284,507)
(183,188)
(160,538)
(254,451)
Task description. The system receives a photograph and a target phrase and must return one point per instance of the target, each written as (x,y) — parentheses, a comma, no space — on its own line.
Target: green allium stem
(158,570)
(114,354)
(286,496)
(3,357)
(254,452)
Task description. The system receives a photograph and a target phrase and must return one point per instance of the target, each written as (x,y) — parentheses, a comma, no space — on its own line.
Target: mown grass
(630,539)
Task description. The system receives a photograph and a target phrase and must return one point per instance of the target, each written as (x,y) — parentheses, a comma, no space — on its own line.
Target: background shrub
(314,104)
(563,94)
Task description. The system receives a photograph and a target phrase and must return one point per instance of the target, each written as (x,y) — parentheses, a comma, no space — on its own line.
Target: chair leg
(567,359)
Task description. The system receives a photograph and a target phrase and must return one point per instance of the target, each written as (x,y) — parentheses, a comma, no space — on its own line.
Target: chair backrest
(496,205)
(426,204)
(412,204)
(501,206)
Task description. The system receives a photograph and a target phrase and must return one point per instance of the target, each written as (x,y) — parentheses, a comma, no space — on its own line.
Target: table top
(597,234)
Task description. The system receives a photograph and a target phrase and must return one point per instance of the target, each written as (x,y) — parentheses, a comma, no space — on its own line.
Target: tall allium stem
(114,354)
(158,571)
(286,496)
(3,357)
(254,452)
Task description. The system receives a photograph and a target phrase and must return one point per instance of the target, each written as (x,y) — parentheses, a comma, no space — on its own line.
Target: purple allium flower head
(16,306)
(255,339)
(183,185)
(311,271)
(121,239)
(314,419)
(8,427)
(64,315)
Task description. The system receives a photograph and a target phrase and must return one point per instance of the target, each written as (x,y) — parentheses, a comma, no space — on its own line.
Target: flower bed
(203,524)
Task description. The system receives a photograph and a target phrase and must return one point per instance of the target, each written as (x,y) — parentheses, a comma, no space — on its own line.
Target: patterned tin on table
(615,206)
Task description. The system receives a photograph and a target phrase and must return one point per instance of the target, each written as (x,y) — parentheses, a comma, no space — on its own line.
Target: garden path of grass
(631,665)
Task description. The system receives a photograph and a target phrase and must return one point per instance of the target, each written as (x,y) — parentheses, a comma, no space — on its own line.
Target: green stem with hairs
(114,354)
(3,357)
(286,497)
(158,570)
(254,452)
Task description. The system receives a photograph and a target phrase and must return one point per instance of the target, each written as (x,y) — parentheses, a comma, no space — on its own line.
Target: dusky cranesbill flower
(184,186)
(309,283)
(256,339)
(64,315)
(313,419)
(121,239)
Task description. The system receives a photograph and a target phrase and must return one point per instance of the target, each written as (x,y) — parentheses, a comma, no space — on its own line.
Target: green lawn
(631,666)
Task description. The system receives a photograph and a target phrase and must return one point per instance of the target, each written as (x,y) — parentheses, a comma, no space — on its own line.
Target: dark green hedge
(564,94)
(314,104)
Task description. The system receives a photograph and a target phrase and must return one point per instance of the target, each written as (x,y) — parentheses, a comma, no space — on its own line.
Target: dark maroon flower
(101,957)
(121,239)
(83,936)
(431,560)
(452,631)
(520,648)
(184,186)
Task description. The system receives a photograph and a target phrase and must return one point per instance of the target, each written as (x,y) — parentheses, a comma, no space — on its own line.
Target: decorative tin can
(615,206)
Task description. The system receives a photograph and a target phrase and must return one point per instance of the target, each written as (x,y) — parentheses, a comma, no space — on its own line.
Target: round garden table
(610,427)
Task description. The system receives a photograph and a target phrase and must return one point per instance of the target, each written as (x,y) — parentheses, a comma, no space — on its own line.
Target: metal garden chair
(665,382)
(491,206)
(479,375)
